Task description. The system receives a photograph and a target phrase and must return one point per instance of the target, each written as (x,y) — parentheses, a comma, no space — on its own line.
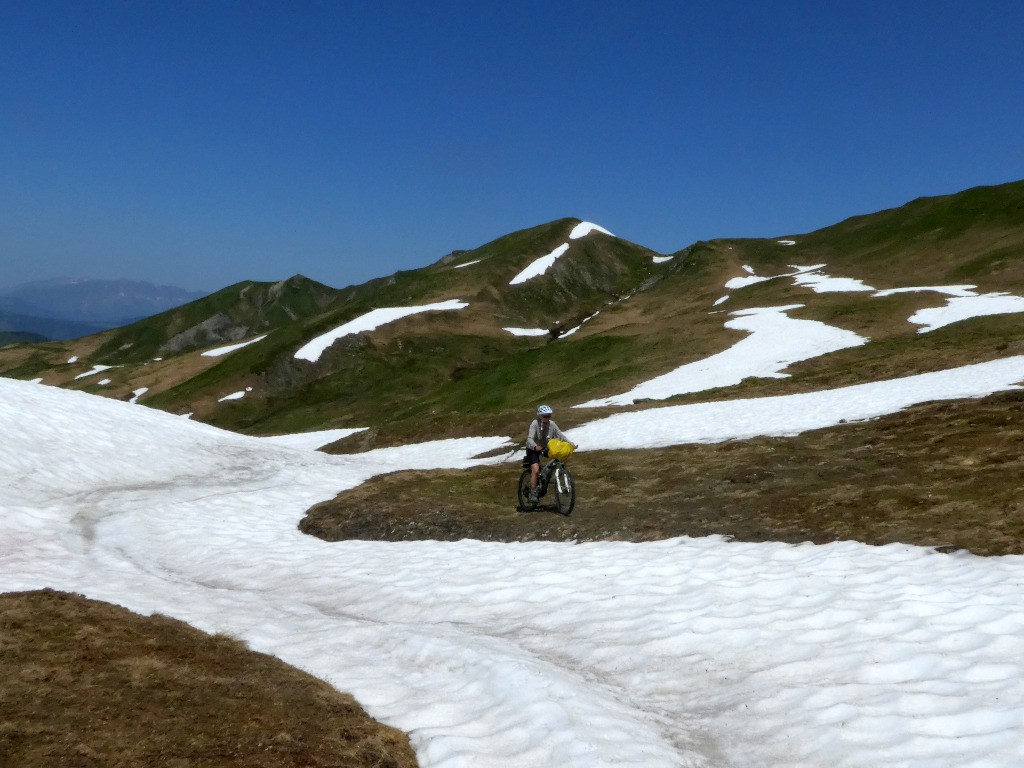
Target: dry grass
(155,375)
(85,684)
(940,474)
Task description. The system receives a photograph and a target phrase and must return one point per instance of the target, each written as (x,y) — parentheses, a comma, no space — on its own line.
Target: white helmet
(544,410)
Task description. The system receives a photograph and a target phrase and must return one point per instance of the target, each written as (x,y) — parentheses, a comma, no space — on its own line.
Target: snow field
(698,652)
(693,652)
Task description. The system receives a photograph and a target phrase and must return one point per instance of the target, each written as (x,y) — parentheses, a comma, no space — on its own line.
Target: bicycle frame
(560,480)
(564,486)
(551,468)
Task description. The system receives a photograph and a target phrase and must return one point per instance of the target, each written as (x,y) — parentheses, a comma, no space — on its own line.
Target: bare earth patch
(85,683)
(944,475)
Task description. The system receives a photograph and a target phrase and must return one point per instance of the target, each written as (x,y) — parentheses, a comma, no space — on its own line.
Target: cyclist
(542,429)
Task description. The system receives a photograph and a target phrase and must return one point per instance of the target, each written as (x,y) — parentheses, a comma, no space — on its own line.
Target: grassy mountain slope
(974,238)
(230,315)
(360,377)
(635,317)
(163,351)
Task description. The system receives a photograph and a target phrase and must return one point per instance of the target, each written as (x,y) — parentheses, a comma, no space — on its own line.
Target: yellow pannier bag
(559,449)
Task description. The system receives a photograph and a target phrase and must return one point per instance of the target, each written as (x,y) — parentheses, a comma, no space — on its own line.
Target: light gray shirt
(539,434)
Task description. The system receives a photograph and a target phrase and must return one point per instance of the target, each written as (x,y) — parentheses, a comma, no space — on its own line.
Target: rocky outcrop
(214,330)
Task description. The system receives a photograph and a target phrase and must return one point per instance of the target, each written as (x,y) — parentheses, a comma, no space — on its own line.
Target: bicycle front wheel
(565,491)
(523,492)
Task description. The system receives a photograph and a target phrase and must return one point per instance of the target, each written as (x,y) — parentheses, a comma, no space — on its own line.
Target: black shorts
(532,457)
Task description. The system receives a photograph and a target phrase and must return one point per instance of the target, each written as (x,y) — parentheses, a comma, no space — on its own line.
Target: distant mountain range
(71,308)
(18,337)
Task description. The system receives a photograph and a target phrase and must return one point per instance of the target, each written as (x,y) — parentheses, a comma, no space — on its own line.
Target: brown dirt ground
(85,684)
(944,475)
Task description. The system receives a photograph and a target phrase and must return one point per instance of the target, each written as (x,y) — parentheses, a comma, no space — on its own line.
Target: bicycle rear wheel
(565,491)
(523,492)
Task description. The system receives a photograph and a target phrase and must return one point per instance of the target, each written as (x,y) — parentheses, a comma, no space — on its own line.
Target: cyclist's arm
(532,436)
(560,435)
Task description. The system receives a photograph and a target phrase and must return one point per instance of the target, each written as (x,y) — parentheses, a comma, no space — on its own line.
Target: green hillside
(609,314)
(233,313)
(418,371)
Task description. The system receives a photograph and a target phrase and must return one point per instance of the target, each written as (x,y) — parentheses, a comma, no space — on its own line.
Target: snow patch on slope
(231,348)
(526,331)
(539,266)
(776,341)
(310,441)
(368,322)
(95,369)
(792,414)
(584,228)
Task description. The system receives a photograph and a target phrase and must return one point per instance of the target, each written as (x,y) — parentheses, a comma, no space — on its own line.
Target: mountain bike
(554,477)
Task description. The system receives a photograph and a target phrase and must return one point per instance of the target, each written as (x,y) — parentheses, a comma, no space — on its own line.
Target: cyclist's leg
(534,457)
(526,502)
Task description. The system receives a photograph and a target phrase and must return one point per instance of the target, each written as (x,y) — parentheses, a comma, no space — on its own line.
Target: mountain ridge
(600,316)
(63,308)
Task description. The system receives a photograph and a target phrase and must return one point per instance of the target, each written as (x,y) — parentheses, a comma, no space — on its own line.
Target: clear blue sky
(202,143)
